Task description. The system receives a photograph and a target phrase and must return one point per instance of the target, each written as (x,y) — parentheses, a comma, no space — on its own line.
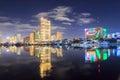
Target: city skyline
(67,16)
(41,35)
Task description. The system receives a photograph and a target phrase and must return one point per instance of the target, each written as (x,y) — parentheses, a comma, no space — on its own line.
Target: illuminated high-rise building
(53,37)
(59,35)
(95,33)
(18,37)
(26,39)
(12,39)
(45,30)
(32,38)
(56,37)
(37,36)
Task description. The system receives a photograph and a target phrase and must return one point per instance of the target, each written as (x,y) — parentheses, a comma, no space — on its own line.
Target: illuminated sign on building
(95,33)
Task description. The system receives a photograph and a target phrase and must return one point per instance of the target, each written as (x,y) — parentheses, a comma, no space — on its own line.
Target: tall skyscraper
(32,38)
(18,37)
(59,35)
(45,30)
(37,36)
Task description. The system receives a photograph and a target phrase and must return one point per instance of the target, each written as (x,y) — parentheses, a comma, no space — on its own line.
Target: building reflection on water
(15,49)
(44,54)
(98,54)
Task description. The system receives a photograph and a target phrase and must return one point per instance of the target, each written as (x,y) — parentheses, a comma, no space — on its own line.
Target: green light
(105,55)
(92,58)
(98,53)
(97,35)
(105,32)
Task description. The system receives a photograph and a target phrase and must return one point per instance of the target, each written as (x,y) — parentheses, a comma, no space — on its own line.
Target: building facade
(37,36)
(18,38)
(59,35)
(45,30)
(53,37)
(32,38)
(26,39)
(95,33)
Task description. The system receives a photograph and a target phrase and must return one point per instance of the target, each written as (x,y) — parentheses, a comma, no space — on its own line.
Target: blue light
(118,52)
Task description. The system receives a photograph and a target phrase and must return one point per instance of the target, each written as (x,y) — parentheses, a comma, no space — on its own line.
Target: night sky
(69,16)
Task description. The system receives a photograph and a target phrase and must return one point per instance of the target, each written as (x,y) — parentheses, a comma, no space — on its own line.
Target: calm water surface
(59,63)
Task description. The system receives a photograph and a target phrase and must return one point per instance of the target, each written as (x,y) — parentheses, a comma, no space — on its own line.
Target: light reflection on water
(56,63)
(97,54)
